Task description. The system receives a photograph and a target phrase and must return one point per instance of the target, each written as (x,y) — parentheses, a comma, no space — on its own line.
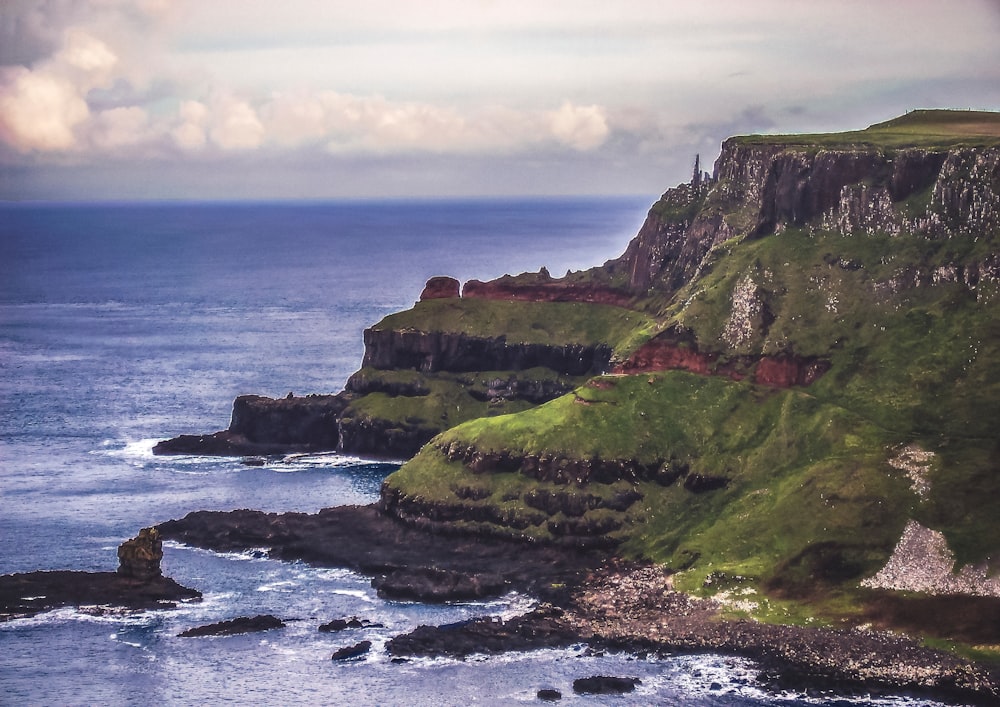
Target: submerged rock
(604,685)
(243,624)
(344,624)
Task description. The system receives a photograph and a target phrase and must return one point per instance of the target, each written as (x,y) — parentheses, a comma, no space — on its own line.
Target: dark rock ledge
(406,563)
(137,585)
(234,627)
(587,598)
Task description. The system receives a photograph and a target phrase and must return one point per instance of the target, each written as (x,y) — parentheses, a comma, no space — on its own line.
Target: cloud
(41,108)
(189,135)
(234,125)
(580,127)
(39,111)
(119,128)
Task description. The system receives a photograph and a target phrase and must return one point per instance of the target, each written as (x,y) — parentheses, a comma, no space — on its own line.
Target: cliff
(824,313)
(795,360)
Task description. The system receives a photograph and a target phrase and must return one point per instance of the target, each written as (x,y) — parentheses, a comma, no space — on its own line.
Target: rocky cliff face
(432,351)
(758,188)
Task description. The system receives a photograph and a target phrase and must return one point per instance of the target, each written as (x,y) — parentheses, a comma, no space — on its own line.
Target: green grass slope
(932,129)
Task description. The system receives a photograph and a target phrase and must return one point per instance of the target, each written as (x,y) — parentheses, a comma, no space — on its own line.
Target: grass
(938,129)
(550,323)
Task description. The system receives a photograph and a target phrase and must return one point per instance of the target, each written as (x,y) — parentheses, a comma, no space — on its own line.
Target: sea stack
(139,557)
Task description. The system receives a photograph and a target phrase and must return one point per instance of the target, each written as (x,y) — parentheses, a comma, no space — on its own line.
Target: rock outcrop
(138,584)
(139,558)
(435,351)
(233,627)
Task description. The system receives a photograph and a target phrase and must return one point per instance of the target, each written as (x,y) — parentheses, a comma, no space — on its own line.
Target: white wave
(356,593)
(280,586)
(253,554)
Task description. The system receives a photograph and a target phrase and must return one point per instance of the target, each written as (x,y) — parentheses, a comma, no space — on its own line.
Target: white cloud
(88,54)
(190,134)
(580,127)
(39,111)
(119,128)
(234,125)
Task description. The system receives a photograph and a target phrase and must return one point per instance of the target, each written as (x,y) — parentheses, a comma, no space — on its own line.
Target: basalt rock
(542,628)
(350,652)
(139,558)
(605,685)
(232,627)
(434,585)
(433,351)
(671,351)
(363,539)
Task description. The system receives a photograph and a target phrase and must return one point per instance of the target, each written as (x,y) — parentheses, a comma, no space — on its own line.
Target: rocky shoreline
(586,597)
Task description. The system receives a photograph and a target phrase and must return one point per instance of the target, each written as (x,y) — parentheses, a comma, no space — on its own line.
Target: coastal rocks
(541,628)
(262,426)
(363,539)
(605,685)
(309,421)
(26,594)
(345,624)
(138,584)
(242,624)
(431,584)
(383,438)
(350,652)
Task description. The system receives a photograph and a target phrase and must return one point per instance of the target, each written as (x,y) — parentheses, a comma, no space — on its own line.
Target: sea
(124,324)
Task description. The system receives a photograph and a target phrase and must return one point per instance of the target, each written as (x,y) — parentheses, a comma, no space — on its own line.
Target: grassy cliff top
(550,323)
(930,129)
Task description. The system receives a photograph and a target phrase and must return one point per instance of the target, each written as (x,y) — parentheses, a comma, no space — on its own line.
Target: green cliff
(786,388)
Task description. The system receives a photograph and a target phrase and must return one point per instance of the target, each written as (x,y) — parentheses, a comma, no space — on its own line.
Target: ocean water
(124,324)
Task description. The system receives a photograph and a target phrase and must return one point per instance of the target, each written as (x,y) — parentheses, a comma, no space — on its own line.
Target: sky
(327,99)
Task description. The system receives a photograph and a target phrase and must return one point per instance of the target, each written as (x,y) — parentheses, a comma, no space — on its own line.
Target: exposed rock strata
(553,290)
(670,352)
(440,288)
(433,351)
